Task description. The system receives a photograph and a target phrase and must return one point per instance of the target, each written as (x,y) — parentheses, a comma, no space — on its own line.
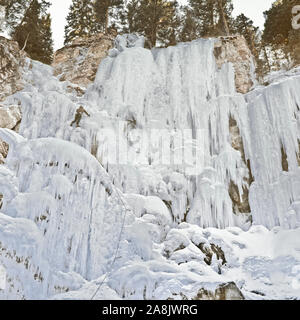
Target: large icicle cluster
(138,91)
(273,145)
(66,198)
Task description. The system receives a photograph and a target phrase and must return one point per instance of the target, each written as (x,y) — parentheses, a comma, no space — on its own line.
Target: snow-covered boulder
(125,41)
(153,213)
(10,116)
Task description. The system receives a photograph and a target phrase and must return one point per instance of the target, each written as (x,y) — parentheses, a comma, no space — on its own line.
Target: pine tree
(2,18)
(14,12)
(33,33)
(208,18)
(129,15)
(278,32)
(223,23)
(263,66)
(278,22)
(81,20)
(157,20)
(189,29)
(246,28)
(46,38)
(294,46)
(103,11)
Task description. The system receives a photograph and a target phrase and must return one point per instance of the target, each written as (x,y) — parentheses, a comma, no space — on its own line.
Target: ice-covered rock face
(79,61)
(272,144)
(12,61)
(234,49)
(244,139)
(77,214)
(169,123)
(165,90)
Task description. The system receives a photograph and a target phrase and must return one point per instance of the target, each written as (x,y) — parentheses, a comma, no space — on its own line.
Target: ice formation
(148,175)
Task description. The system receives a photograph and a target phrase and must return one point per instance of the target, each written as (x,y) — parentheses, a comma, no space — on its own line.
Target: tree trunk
(154,26)
(222,16)
(25,43)
(266,57)
(210,30)
(29,7)
(106,19)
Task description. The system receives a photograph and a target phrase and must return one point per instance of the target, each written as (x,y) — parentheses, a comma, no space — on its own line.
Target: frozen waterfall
(171,160)
(151,107)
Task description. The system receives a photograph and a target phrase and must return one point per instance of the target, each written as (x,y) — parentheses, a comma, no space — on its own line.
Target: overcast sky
(251,8)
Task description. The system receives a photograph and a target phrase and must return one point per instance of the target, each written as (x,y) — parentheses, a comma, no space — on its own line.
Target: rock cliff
(234,49)
(12,61)
(79,61)
(12,64)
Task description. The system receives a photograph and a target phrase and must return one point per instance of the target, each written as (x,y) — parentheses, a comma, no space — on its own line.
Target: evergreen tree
(81,20)
(263,66)
(103,11)
(33,33)
(157,20)
(278,32)
(246,28)
(189,28)
(46,39)
(294,46)
(209,18)
(2,18)
(14,11)
(278,22)
(223,16)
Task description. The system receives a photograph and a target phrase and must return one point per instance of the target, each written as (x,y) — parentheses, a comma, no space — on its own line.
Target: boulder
(10,116)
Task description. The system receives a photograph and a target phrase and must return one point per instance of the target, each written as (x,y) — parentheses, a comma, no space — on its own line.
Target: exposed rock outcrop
(240,203)
(10,118)
(226,291)
(3,154)
(12,62)
(210,250)
(79,61)
(234,49)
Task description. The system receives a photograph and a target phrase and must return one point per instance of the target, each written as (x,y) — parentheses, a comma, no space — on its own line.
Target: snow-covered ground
(134,202)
